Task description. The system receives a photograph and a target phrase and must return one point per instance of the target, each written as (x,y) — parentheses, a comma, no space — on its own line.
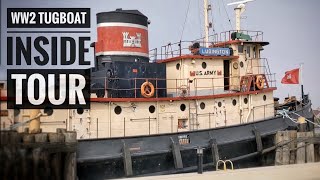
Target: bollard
(200,159)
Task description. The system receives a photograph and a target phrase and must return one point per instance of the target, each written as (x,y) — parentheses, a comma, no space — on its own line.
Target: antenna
(239,10)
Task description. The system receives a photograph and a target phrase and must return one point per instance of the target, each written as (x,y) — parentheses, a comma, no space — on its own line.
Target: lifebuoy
(147,89)
(260,82)
(183,91)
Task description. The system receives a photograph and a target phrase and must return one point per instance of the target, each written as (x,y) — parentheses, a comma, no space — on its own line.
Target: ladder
(193,115)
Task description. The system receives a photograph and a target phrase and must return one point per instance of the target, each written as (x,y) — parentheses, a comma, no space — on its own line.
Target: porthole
(117,110)
(264,97)
(152,109)
(245,100)
(80,111)
(48,111)
(204,65)
(202,105)
(235,65)
(182,107)
(234,102)
(178,66)
(219,104)
(241,64)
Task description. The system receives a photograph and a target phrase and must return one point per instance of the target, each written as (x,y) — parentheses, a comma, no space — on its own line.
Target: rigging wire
(219,10)
(185,20)
(227,14)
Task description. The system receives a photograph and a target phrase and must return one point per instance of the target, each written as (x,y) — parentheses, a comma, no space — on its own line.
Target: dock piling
(38,155)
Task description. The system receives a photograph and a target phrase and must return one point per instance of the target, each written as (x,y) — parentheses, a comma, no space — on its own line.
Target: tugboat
(152,110)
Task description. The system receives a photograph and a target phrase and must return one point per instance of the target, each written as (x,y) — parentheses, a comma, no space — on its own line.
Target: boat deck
(308,171)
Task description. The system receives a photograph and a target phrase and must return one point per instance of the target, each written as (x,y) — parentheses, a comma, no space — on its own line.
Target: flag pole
(300,81)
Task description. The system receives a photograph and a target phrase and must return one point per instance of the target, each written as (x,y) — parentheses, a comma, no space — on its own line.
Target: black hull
(152,155)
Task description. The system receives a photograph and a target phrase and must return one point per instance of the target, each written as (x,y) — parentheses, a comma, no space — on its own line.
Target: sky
(291,27)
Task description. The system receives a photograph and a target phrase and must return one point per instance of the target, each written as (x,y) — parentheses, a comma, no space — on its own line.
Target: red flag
(291,77)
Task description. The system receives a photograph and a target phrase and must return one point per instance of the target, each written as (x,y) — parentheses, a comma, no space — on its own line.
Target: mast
(238,16)
(206,23)
(239,10)
(301,82)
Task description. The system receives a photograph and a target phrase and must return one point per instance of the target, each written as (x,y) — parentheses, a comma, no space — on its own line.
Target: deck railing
(178,87)
(257,113)
(181,48)
(225,36)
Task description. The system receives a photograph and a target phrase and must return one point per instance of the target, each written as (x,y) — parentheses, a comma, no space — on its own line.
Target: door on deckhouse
(226,74)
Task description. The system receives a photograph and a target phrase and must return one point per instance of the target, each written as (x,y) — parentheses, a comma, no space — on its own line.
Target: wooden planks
(310,149)
(278,156)
(127,161)
(214,151)
(286,148)
(293,146)
(305,150)
(70,166)
(282,152)
(38,156)
(258,140)
(176,155)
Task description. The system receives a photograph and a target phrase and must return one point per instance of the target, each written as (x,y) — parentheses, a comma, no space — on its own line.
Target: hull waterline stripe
(4,98)
(179,98)
(122,25)
(122,53)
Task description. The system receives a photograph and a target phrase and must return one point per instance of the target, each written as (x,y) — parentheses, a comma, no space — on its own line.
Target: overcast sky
(291,27)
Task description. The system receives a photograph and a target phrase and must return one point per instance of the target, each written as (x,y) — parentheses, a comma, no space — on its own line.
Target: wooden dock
(308,171)
(38,156)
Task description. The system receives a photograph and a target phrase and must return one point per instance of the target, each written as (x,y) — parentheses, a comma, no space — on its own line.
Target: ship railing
(261,66)
(258,113)
(190,47)
(173,87)
(256,36)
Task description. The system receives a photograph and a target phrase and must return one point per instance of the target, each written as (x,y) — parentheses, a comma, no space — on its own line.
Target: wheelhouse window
(240,48)
(248,51)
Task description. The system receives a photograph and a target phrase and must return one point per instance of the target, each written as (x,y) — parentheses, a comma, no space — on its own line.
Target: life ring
(183,91)
(260,82)
(147,89)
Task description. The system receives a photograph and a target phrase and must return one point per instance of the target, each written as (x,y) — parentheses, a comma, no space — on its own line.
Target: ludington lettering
(214,51)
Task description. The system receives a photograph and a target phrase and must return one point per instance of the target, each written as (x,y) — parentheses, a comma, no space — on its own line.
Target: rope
(23,123)
(307,120)
(285,114)
(185,20)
